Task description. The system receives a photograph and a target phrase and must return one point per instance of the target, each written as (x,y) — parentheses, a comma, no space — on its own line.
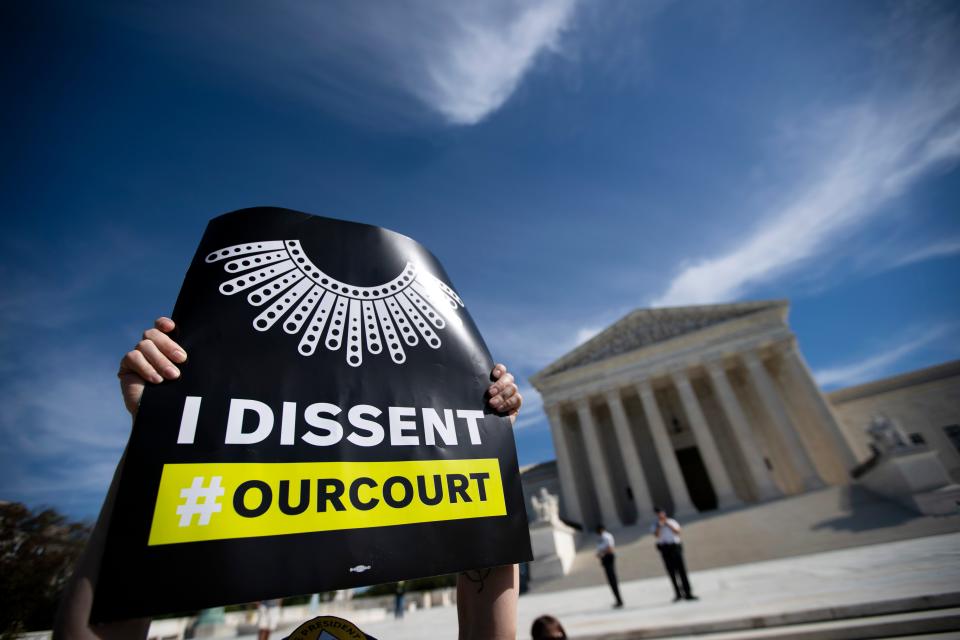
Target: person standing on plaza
(666,531)
(605,551)
(268,618)
(398,604)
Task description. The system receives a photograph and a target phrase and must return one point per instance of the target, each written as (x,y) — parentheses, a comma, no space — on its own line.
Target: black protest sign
(329,430)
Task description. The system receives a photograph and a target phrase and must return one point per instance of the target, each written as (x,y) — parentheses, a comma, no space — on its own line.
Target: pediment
(644,327)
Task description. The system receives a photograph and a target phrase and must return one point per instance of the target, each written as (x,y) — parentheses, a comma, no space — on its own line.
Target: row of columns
(744,440)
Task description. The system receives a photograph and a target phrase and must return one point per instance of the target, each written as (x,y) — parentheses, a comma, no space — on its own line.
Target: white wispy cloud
(63,428)
(532,411)
(527,347)
(861,156)
(62,422)
(483,51)
(941,249)
(880,364)
(462,60)
(585,333)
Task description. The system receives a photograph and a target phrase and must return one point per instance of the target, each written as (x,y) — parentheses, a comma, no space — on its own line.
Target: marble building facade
(692,409)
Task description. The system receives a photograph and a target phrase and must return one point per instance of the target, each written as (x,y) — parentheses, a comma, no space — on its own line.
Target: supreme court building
(691,409)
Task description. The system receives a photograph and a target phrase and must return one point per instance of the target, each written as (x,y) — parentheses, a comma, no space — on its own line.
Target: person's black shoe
(618,605)
(678,599)
(692,597)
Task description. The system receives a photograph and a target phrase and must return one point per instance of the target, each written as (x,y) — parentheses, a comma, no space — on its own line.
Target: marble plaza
(836,589)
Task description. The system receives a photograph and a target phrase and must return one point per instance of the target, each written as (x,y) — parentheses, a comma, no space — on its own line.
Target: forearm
(73,616)
(487,603)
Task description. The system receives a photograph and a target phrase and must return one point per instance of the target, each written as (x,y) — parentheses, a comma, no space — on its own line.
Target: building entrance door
(698,480)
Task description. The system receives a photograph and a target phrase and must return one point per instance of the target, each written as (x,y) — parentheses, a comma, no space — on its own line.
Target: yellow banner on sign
(218,501)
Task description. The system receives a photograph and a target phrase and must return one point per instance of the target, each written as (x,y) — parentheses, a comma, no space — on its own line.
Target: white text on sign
(251,421)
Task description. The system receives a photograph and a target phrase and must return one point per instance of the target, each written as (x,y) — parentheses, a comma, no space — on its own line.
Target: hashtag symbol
(192,505)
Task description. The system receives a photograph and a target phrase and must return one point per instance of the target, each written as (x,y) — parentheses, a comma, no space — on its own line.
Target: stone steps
(901,618)
(944,623)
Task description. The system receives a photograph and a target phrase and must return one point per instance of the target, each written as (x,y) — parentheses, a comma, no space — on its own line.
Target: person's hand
(152,360)
(504,396)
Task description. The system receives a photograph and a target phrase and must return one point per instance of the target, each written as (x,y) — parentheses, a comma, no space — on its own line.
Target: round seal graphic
(328,628)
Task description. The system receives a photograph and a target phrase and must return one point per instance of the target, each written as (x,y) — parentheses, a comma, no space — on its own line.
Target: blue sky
(567,162)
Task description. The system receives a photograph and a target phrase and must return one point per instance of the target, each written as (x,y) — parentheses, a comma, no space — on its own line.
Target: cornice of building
(765,326)
(645,328)
(901,381)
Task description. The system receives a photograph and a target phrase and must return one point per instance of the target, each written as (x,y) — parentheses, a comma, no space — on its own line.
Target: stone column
(778,415)
(568,476)
(598,467)
(628,448)
(752,456)
(705,442)
(682,504)
(801,379)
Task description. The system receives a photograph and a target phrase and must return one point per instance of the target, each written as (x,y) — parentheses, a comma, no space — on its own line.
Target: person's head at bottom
(546,627)
(600,529)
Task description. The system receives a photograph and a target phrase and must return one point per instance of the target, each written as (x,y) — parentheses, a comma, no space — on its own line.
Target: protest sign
(329,430)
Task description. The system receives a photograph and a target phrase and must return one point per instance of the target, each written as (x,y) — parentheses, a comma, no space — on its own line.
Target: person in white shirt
(605,551)
(268,618)
(666,531)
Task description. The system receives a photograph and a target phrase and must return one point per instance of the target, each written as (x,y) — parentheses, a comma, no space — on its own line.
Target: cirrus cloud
(461,60)
(861,155)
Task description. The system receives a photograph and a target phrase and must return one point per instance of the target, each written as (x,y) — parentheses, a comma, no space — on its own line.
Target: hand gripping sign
(329,430)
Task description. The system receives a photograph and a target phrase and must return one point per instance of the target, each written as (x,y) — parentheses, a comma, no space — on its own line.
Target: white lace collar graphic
(406,310)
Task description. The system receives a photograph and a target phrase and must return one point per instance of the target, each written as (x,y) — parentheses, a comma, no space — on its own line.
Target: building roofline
(919,376)
(557,366)
(536,466)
